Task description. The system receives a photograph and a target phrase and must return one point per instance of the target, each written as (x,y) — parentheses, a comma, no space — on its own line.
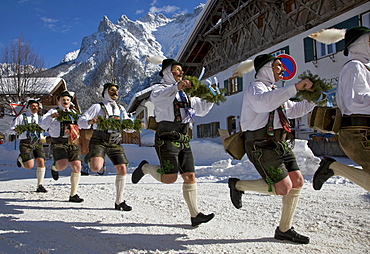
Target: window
(209,130)
(365,19)
(140,115)
(314,50)
(215,127)
(260,21)
(290,6)
(325,49)
(233,85)
(231,124)
(2,111)
(284,50)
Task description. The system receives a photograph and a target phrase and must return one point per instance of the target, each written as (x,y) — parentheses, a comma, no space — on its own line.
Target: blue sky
(56,27)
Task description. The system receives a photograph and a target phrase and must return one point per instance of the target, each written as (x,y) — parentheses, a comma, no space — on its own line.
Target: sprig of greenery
(202,91)
(116,124)
(273,176)
(319,86)
(67,116)
(32,127)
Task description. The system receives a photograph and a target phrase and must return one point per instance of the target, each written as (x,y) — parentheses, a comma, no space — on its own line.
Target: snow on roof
(45,85)
(140,96)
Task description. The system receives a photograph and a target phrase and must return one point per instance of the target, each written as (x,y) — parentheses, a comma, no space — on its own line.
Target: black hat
(261,60)
(352,35)
(30,101)
(168,62)
(107,86)
(65,93)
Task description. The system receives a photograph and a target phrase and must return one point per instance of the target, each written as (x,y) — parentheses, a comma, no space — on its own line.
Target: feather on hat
(243,68)
(328,36)
(155,59)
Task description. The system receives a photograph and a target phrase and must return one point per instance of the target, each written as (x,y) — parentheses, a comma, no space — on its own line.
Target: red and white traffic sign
(17,108)
(289,65)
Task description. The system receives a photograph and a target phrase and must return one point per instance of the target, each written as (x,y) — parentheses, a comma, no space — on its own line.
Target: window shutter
(226,86)
(240,84)
(309,54)
(349,23)
(286,50)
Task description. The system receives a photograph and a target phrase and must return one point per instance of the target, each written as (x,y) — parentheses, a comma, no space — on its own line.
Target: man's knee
(121,169)
(189,177)
(169,178)
(283,187)
(297,179)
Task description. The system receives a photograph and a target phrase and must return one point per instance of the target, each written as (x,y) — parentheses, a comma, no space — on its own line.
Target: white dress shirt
(163,96)
(51,125)
(96,110)
(260,99)
(353,90)
(20,121)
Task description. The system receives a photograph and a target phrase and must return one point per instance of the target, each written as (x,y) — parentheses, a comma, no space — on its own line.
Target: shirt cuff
(292,90)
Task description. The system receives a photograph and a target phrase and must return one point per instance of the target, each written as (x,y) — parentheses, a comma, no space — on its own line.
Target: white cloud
(139,11)
(49,22)
(154,2)
(164,9)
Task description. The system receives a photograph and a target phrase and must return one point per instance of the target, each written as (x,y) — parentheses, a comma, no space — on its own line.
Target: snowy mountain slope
(117,52)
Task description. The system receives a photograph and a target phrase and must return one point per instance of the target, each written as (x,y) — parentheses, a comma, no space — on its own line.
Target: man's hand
(305,84)
(56,114)
(183,84)
(92,121)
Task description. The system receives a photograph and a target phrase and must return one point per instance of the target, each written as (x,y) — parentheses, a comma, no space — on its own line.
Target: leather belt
(362,121)
(260,134)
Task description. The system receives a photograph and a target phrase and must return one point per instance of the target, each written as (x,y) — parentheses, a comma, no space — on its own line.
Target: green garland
(32,127)
(65,116)
(319,86)
(116,124)
(203,92)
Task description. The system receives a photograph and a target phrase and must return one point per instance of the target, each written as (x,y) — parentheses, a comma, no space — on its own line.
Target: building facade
(229,32)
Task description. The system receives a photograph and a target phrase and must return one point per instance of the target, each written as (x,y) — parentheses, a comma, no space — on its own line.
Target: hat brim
(174,62)
(267,60)
(365,30)
(107,87)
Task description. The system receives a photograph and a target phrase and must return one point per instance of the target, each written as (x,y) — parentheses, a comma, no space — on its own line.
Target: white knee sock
(258,185)
(120,186)
(75,180)
(152,170)
(189,191)
(356,175)
(40,174)
(290,202)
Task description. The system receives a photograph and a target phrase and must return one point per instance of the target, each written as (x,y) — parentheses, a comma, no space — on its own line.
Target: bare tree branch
(19,76)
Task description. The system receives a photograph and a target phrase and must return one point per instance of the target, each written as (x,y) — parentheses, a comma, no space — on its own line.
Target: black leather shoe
(323,173)
(122,207)
(138,172)
(291,235)
(19,161)
(54,172)
(41,188)
(235,195)
(76,199)
(201,218)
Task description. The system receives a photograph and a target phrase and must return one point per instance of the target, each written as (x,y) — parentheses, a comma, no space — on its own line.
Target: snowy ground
(335,218)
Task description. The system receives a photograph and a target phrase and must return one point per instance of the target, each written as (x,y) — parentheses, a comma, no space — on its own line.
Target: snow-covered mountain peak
(117,52)
(106,25)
